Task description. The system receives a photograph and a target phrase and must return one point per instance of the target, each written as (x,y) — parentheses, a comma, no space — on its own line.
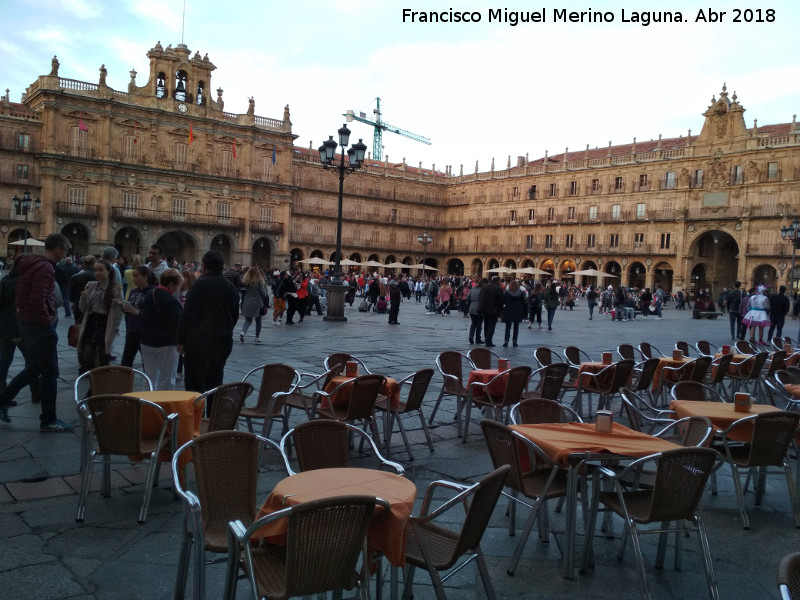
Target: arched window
(201,97)
(161,85)
(180,85)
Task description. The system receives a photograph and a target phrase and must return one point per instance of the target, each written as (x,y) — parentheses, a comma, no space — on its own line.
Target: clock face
(183,108)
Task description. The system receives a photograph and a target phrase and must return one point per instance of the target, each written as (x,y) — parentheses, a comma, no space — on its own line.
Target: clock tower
(178,80)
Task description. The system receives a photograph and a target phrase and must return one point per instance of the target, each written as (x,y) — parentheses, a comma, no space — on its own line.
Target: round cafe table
(386,535)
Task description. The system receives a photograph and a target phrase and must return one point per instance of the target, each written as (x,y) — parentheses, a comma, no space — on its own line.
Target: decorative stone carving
(54,67)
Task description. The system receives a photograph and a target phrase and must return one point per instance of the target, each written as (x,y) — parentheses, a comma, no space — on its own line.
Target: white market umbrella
(501,270)
(398,265)
(374,263)
(346,262)
(532,271)
(316,261)
(593,273)
(420,266)
(30,241)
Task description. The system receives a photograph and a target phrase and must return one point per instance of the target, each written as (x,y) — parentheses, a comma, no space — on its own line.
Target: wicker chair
(338,360)
(226,474)
(774,363)
(544,356)
(643,383)
(360,407)
(417,387)
(482,358)
(553,382)
(778,343)
(748,374)
(705,348)
(302,396)
(324,541)
(117,428)
(641,415)
(695,391)
(670,376)
(325,444)
(228,400)
(629,352)
(540,482)
(648,350)
(745,347)
(701,366)
(575,356)
(678,482)
(719,371)
(542,410)
(684,347)
(277,381)
(451,365)
(789,577)
(772,432)
(606,383)
(516,381)
(776,389)
(110,379)
(435,548)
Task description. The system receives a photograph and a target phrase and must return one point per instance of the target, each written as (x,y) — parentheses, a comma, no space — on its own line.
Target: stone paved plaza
(45,554)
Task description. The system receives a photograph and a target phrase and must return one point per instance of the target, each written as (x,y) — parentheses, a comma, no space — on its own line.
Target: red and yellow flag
(234,148)
(191,134)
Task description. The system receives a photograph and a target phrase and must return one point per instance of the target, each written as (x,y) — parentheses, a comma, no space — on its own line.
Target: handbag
(651,308)
(73,333)
(263,310)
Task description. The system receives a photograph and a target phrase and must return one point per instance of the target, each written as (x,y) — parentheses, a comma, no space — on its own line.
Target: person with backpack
(591,300)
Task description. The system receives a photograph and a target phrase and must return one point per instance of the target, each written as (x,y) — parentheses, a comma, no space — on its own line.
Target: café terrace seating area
(297,483)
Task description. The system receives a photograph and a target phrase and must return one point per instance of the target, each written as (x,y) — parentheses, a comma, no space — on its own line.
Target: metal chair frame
(417,387)
(125,440)
(452,382)
(516,384)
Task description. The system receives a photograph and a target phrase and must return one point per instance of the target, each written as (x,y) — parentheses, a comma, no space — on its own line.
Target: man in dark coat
(78,283)
(394,300)
(779,305)
(205,331)
(66,269)
(490,303)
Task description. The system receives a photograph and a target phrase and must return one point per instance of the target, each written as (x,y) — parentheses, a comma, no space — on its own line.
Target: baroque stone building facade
(163,162)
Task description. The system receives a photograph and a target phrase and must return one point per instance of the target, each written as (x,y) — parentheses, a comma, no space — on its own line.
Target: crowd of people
(180,316)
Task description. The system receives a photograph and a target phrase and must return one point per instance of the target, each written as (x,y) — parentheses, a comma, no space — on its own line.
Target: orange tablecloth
(560,440)
(173,402)
(721,415)
(792,359)
(497,389)
(666,361)
(732,370)
(390,389)
(591,367)
(386,535)
(793,389)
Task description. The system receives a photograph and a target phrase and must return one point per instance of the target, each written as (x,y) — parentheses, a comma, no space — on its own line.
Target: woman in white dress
(757,316)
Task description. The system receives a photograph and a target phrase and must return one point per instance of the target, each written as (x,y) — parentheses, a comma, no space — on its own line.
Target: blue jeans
(551,314)
(40,344)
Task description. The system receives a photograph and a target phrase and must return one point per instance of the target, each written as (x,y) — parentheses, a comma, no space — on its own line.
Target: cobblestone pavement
(45,554)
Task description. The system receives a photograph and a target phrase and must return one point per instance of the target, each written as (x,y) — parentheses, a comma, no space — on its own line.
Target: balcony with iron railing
(261,226)
(177,216)
(77,209)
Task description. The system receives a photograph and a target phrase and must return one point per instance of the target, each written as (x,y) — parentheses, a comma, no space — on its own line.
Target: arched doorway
(718,251)
(77,234)
(180,245)
(128,242)
(698,281)
(663,276)
(550,267)
(586,280)
(296,255)
(222,243)
(767,276)
(356,257)
(455,266)
(493,264)
(262,253)
(477,268)
(567,267)
(637,273)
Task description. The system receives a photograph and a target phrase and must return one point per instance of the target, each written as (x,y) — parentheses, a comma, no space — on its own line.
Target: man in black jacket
(779,305)
(205,332)
(490,303)
(734,299)
(77,284)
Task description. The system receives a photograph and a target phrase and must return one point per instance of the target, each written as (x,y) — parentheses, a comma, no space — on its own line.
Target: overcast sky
(478,90)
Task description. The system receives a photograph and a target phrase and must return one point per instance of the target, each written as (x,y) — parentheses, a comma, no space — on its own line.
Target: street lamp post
(23,207)
(792,234)
(425,239)
(355,157)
